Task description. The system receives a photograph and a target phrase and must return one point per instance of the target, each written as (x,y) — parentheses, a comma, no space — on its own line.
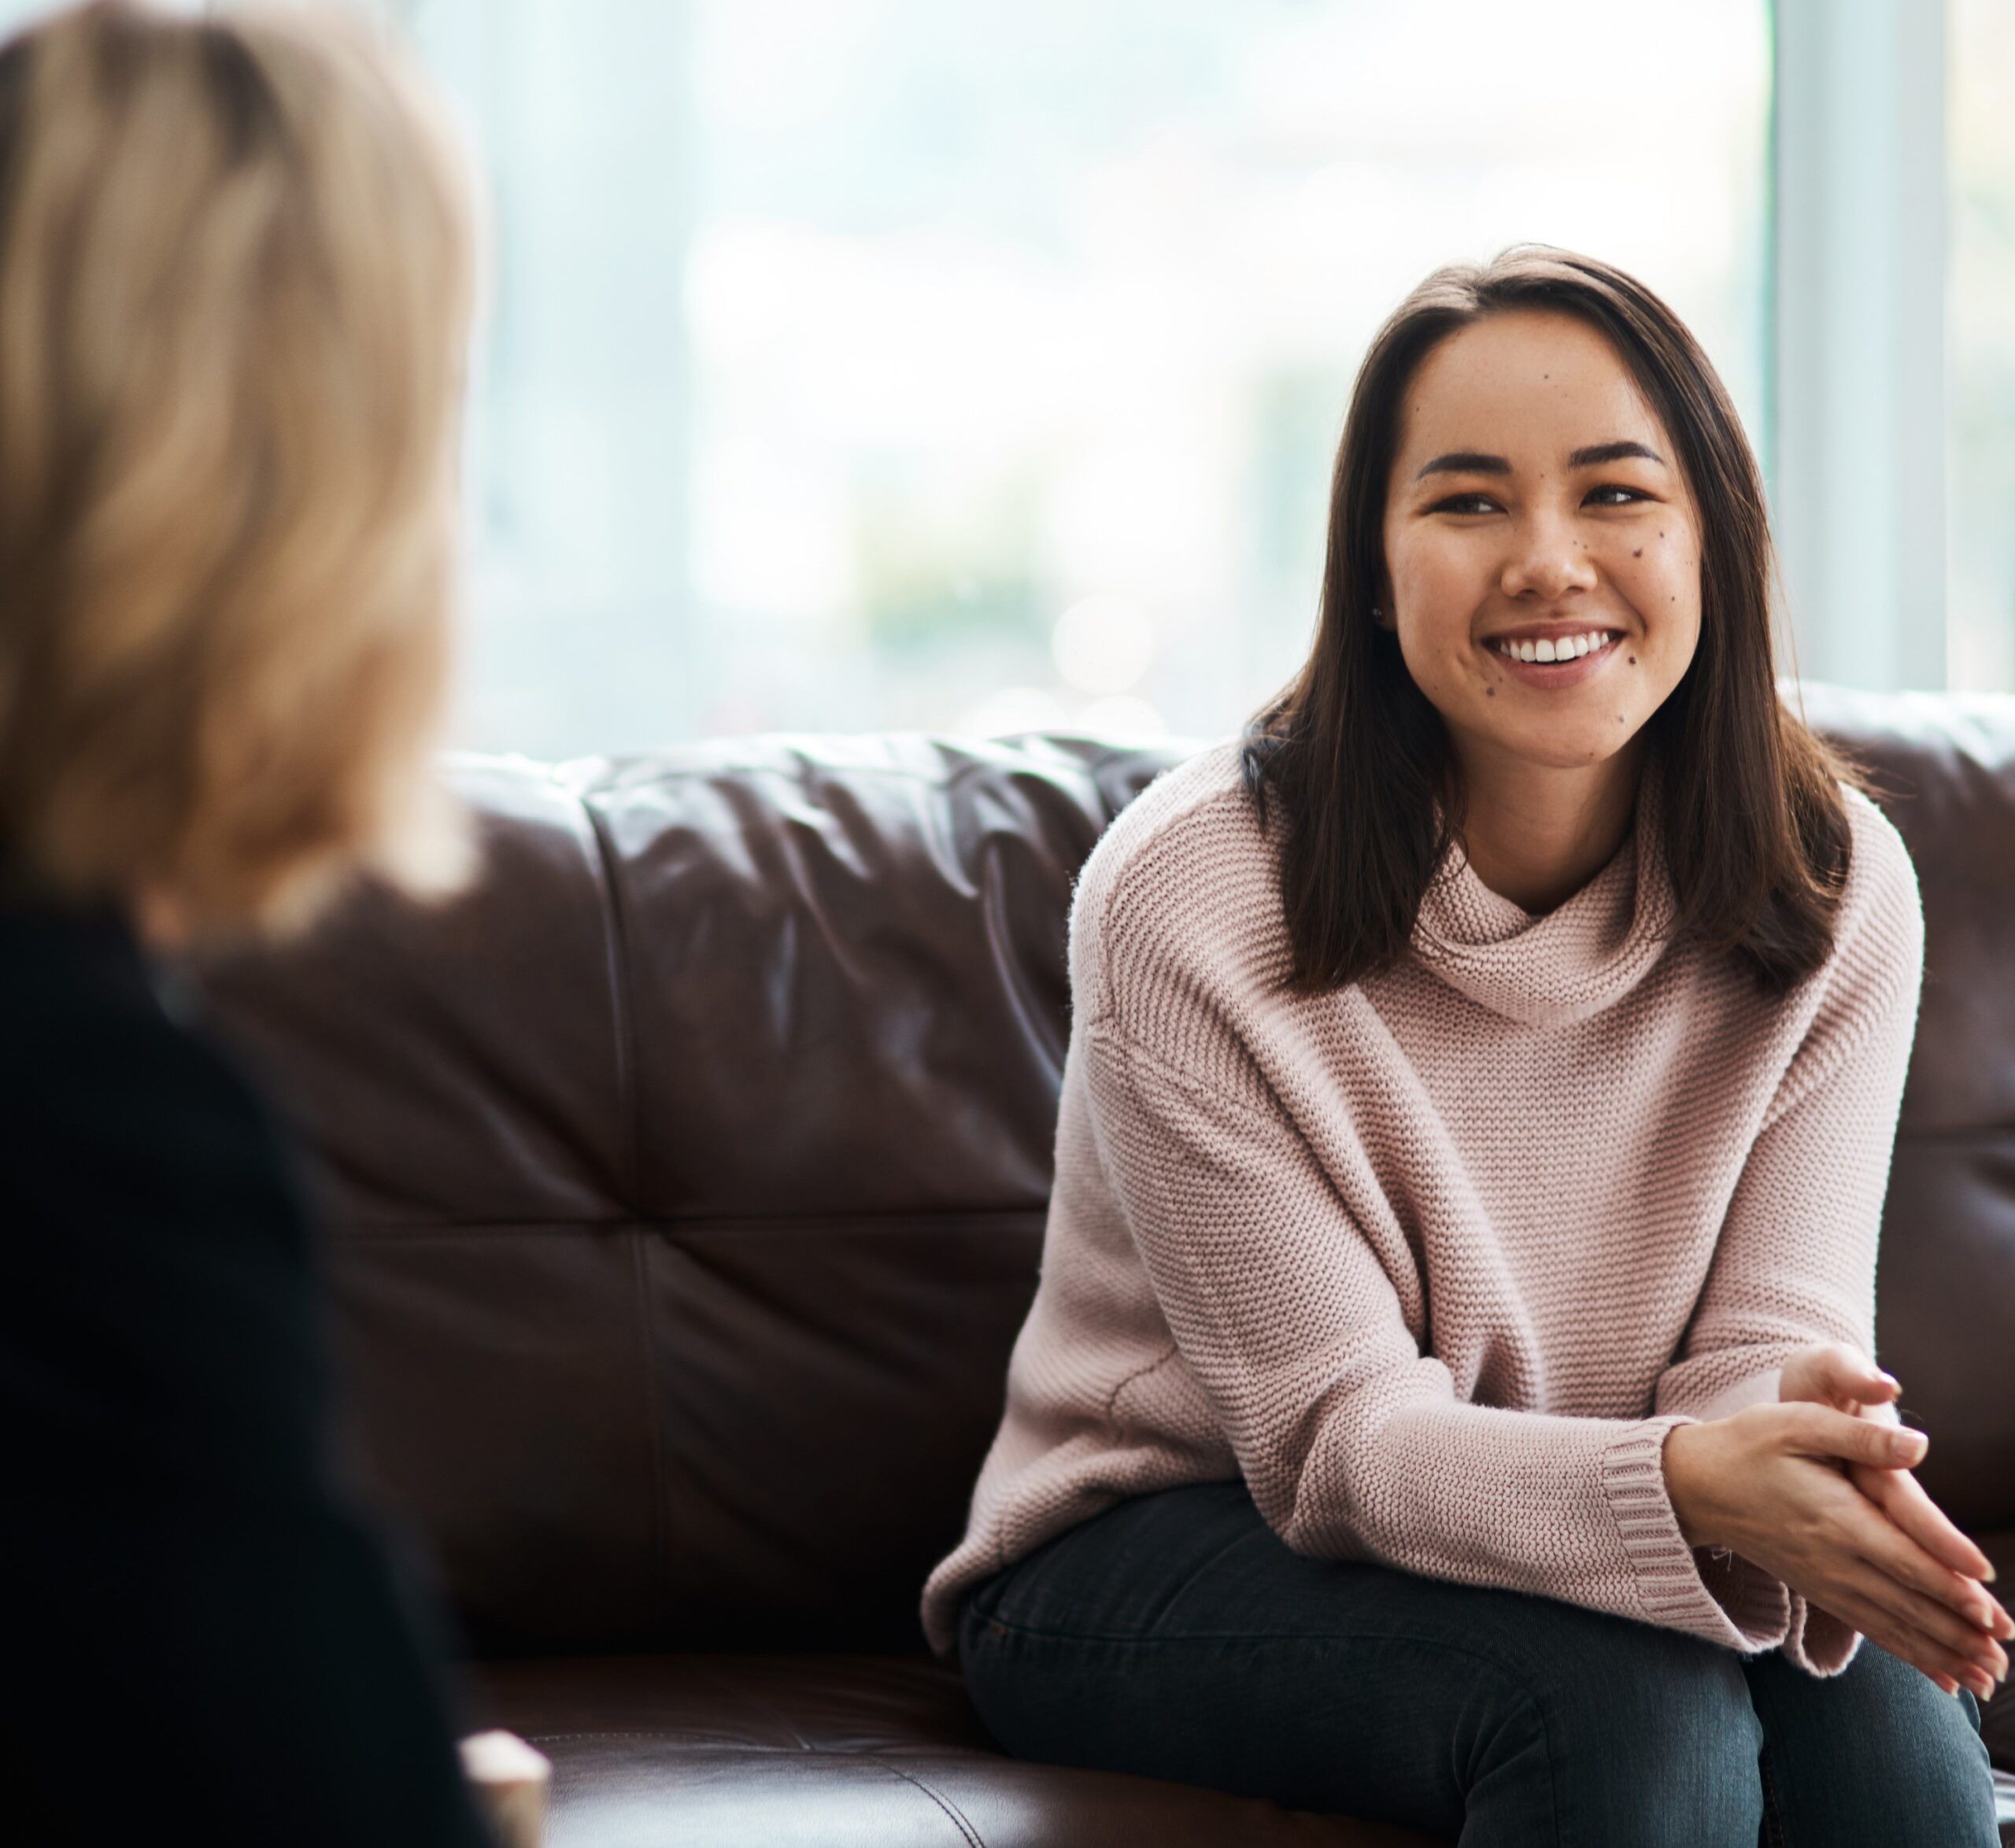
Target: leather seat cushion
(835,1751)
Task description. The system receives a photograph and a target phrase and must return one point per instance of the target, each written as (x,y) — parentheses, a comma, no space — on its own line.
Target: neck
(1536,833)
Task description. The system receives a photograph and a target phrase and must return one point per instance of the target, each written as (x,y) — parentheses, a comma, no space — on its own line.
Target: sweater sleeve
(1353,1442)
(1795,1265)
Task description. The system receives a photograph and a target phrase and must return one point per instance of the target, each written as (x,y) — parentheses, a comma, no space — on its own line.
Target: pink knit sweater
(1435,1261)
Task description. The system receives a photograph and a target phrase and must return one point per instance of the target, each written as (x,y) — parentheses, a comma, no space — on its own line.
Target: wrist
(1681,1460)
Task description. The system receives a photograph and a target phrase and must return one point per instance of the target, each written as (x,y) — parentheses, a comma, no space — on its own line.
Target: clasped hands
(1818,1491)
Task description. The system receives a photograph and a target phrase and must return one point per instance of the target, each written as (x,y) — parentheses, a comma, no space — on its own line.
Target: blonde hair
(236,270)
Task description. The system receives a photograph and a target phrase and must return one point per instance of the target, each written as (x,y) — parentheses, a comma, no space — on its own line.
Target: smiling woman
(1595,539)
(1539,449)
(1456,1305)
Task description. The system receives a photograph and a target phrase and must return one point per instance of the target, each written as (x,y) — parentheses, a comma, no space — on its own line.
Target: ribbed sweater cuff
(1741,1612)
(1757,1604)
(1819,1643)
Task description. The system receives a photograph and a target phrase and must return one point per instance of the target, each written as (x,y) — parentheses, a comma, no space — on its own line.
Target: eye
(1614,487)
(1451,504)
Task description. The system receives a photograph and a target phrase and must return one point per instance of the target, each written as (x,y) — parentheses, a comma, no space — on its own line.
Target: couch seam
(627,1102)
(617,942)
(952,1813)
(699,1225)
(953,1754)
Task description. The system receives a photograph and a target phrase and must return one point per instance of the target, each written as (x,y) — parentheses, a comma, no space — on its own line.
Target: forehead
(1526,384)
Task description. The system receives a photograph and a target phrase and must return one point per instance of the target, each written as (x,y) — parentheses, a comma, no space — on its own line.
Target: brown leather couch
(688,1183)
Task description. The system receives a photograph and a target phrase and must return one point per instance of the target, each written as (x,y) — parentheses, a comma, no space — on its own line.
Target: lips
(1556,674)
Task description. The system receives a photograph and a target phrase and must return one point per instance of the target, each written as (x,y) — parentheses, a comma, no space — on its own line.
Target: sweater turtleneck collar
(1568,963)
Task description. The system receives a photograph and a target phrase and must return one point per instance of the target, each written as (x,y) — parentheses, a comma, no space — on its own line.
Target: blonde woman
(234,275)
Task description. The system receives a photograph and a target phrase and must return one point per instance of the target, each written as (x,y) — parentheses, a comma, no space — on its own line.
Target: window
(862,363)
(1981,327)
(858,364)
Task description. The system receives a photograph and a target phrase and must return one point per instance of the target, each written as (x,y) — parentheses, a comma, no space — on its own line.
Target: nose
(1546,558)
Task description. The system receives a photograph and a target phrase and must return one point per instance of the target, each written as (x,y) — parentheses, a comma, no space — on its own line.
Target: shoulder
(1863,998)
(161,1304)
(1185,878)
(1880,919)
(113,1109)
(1194,808)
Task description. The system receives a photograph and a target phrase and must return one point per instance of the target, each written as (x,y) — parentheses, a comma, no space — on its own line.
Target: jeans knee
(1643,1745)
(1876,1755)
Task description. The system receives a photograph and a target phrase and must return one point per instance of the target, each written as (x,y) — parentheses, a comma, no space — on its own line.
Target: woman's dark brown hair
(1356,758)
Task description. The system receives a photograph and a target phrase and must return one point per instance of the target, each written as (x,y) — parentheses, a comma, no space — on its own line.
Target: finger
(1911,1584)
(1847,1373)
(1864,1525)
(1938,1638)
(1819,1431)
(1961,1588)
(1903,1499)
(1900,1638)
(1852,1377)
(1899,1575)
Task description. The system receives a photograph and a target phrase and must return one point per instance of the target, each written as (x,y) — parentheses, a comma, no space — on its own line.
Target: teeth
(1568,648)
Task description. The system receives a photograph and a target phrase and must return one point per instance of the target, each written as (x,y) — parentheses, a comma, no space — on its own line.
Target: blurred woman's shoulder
(116,1106)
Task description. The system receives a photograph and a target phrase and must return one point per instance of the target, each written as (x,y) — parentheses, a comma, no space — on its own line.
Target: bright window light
(1980,324)
(850,357)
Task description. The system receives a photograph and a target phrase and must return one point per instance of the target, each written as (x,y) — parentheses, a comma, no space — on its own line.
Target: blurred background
(866,363)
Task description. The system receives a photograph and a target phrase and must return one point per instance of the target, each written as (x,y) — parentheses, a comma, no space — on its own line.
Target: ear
(1382,603)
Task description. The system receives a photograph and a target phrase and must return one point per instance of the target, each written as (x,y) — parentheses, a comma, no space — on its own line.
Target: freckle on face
(1633,660)
(1638,552)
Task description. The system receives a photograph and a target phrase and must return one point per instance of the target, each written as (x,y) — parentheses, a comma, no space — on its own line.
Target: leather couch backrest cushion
(686,1179)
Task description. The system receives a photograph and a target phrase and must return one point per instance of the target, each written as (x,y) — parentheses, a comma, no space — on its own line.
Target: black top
(203,1639)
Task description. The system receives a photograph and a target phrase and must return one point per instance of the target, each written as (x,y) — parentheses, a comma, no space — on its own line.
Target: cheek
(1440,587)
(1662,585)
(1662,577)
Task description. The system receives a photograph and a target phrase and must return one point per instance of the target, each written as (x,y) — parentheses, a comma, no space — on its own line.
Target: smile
(1563,648)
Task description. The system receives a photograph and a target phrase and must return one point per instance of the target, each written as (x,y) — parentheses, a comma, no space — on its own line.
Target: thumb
(1851,1376)
(1822,1432)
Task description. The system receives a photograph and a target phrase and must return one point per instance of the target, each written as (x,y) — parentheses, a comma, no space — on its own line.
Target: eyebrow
(1475,462)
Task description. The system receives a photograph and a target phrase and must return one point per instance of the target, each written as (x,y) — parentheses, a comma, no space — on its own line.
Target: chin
(1578,751)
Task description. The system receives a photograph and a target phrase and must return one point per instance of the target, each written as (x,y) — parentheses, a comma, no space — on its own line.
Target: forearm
(1571,1508)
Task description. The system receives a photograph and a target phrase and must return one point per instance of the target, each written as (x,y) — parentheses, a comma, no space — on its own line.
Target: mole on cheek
(1633,660)
(1638,552)
(1490,693)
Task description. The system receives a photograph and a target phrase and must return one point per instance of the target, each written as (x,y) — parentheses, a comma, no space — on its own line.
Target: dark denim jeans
(1176,1636)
